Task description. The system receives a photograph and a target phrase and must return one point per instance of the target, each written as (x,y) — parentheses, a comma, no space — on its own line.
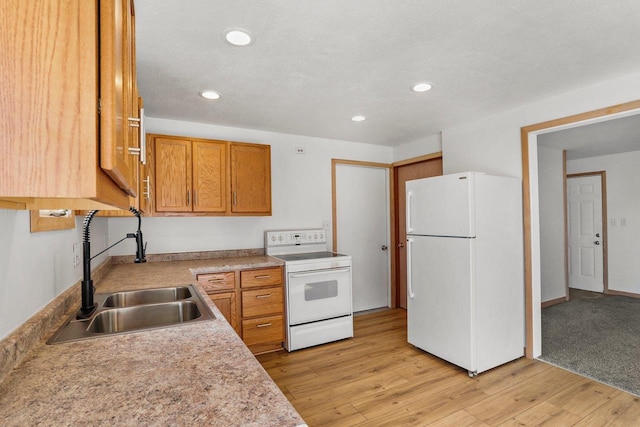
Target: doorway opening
(529,141)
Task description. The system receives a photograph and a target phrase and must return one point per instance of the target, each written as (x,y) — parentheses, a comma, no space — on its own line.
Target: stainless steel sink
(147,296)
(143,317)
(134,311)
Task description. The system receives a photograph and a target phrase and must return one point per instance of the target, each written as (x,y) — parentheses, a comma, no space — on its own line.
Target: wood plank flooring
(378,379)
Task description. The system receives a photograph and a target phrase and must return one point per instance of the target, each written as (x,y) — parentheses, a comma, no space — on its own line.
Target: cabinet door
(250,178)
(209,176)
(147,174)
(173,175)
(115,73)
(226,303)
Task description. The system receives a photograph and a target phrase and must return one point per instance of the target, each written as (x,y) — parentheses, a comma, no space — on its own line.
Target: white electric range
(317,287)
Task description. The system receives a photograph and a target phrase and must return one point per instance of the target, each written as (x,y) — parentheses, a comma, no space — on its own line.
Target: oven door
(318,295)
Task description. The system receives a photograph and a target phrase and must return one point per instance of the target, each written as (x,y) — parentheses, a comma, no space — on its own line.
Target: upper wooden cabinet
(67,75)
(250,179)
(193,176)
(190,175)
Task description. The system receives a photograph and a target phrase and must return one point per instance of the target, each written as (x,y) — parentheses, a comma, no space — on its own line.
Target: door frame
(529,162)
(605,223)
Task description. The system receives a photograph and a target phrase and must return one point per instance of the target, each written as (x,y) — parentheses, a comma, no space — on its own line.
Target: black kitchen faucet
(88,307)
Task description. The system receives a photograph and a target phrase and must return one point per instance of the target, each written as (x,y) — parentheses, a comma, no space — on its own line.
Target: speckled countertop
(193,374)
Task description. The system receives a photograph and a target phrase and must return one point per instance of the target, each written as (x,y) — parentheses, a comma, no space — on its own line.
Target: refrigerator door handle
(409,287)
(409,227)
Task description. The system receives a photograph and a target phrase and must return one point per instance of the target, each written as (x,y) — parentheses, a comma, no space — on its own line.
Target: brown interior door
(402,174)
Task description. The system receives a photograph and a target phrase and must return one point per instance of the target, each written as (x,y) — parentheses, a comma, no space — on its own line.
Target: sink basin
(143,317)
(147,296)
(135,311)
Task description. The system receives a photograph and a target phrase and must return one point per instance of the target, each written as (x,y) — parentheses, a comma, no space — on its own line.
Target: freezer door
(440,298)
(441,205)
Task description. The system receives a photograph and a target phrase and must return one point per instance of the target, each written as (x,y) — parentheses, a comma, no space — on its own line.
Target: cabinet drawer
(217,281)
(263,330)
(264,277)
(261,302)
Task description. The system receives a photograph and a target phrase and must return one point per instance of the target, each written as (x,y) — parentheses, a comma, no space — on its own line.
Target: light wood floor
(378,379)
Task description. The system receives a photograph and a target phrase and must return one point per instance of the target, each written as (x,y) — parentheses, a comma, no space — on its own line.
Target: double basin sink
(131,311)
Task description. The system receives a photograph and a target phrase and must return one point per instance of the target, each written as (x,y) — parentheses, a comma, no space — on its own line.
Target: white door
(584,217)
(362,221)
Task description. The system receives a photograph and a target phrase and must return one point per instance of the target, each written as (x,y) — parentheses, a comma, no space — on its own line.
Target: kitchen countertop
(192,374)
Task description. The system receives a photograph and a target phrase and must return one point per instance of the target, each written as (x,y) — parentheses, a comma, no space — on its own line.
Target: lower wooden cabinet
(226,303)
(252,301)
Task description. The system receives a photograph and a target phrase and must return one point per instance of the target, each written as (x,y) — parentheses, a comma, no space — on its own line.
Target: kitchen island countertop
(192,374)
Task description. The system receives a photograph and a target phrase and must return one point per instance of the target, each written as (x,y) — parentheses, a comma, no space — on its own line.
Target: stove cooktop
(308,255)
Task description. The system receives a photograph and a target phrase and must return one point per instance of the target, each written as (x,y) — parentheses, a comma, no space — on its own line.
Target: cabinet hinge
(99,105)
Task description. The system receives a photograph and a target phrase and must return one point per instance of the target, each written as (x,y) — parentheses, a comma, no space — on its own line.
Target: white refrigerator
(465,269)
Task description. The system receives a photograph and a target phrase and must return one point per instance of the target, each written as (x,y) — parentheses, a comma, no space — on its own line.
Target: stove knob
(273,238)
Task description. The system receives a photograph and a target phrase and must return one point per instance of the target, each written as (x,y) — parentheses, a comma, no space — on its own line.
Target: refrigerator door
(441,206)
(440,296)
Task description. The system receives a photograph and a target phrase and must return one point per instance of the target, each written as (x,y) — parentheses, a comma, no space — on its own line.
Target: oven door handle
(319,272)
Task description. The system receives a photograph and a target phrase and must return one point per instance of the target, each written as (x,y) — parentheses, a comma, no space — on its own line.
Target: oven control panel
(295,237)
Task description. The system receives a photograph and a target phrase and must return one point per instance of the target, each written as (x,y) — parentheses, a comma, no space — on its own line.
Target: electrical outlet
(77,254)
(299,150)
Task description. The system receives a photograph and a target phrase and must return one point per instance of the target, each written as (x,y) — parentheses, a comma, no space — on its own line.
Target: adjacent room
(589,207)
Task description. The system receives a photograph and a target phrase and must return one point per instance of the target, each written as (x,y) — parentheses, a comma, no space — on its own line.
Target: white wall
(492,145)
(427,145)
(550,187)
(301,192)
(623,202)
(36,267)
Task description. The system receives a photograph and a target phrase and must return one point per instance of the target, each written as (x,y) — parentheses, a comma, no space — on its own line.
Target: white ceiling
(597,139)
(315,64)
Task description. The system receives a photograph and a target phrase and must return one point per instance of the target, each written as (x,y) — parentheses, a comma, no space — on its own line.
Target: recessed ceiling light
(210,94)
(238,37)
(422,87)
(358,118)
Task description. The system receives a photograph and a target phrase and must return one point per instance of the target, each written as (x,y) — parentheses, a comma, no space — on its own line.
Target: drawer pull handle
(216,279)
(264,276)
(263,325)
(263,296)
